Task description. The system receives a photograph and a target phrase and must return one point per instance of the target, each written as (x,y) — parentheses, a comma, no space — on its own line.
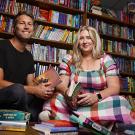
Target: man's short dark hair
(22,13)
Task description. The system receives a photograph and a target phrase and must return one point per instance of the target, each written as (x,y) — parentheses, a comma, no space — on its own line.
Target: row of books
(6,24)
(64,18)
(43,32)
(50,16)
(51,33)
(47,53)
(122,15)
(127,84)
(123,48)
(111,29)
(13,7)
(77,4)
(40,68)
(125,65)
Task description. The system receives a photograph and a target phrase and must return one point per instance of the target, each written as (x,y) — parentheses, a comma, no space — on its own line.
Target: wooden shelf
(110,37)
(127,74)
(56,25)
(120,55)
(52,43)
(43,22)
(49,6)
(6,35)
(7,14)
(109,20)
(127,93)
(47,63)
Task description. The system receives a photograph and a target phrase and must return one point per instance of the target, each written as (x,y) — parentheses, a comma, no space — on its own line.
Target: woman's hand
(87,99)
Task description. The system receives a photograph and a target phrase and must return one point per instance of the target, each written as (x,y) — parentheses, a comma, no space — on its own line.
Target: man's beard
(22,39)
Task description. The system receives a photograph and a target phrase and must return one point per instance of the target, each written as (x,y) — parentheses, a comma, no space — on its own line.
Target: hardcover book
(14,115)
(50,75)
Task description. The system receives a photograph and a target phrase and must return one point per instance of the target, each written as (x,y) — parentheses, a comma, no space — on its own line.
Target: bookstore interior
(57,24)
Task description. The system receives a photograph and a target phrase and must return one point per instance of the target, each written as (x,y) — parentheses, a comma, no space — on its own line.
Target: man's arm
(42,90)
(4,83)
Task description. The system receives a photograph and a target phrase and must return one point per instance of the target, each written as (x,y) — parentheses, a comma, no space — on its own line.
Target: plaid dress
(115,108)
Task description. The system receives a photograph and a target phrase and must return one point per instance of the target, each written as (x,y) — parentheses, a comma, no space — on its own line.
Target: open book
(50,75)
(72,96)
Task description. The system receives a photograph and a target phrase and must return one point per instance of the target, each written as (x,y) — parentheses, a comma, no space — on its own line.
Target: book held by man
(50,75)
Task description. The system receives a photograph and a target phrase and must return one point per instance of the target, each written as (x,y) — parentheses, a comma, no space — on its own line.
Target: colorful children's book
(50,75)
(14,115)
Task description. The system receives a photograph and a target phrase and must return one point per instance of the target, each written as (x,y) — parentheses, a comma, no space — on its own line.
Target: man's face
(24,28)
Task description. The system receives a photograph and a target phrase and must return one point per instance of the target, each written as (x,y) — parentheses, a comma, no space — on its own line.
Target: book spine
(85,122)
(14,116)
(12,128)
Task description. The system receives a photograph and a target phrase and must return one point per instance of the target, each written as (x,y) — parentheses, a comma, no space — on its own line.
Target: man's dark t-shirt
(16,65)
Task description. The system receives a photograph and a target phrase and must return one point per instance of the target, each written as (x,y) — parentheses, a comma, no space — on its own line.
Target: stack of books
(13,120)
(56,127)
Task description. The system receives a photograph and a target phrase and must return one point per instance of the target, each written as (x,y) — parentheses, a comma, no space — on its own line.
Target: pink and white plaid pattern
(115,108)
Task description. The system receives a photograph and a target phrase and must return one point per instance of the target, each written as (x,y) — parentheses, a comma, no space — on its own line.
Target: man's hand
(44,90)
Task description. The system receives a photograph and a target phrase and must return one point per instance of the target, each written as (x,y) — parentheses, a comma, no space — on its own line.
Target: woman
(98,75)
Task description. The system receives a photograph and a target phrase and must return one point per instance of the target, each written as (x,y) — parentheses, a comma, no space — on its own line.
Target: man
(17,90)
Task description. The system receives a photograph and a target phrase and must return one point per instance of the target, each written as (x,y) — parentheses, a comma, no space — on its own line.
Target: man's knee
(17,90)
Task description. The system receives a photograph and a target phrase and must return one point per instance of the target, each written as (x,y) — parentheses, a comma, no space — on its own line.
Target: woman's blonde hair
(96,50)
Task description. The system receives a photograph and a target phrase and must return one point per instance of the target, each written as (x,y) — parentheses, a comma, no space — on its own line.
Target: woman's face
(85,42)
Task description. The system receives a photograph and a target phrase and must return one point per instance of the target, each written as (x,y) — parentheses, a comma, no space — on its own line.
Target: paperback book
(50,75)
(54,128)
(13,125)
(14,115)
(72,95)
(89,124)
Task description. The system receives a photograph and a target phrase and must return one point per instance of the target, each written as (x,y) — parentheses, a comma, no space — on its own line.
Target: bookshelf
(112,41)
(84,17)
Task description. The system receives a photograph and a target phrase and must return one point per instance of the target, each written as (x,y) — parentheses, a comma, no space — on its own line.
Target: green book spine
(89,124)
(14,115)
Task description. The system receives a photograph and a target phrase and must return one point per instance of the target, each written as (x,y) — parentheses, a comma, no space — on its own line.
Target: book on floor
(14,115)
(125,128)
(13,125)
(54,128)
(85,122)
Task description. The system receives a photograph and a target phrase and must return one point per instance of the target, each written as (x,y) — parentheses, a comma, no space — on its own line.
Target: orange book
(61,123)
(50,75)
